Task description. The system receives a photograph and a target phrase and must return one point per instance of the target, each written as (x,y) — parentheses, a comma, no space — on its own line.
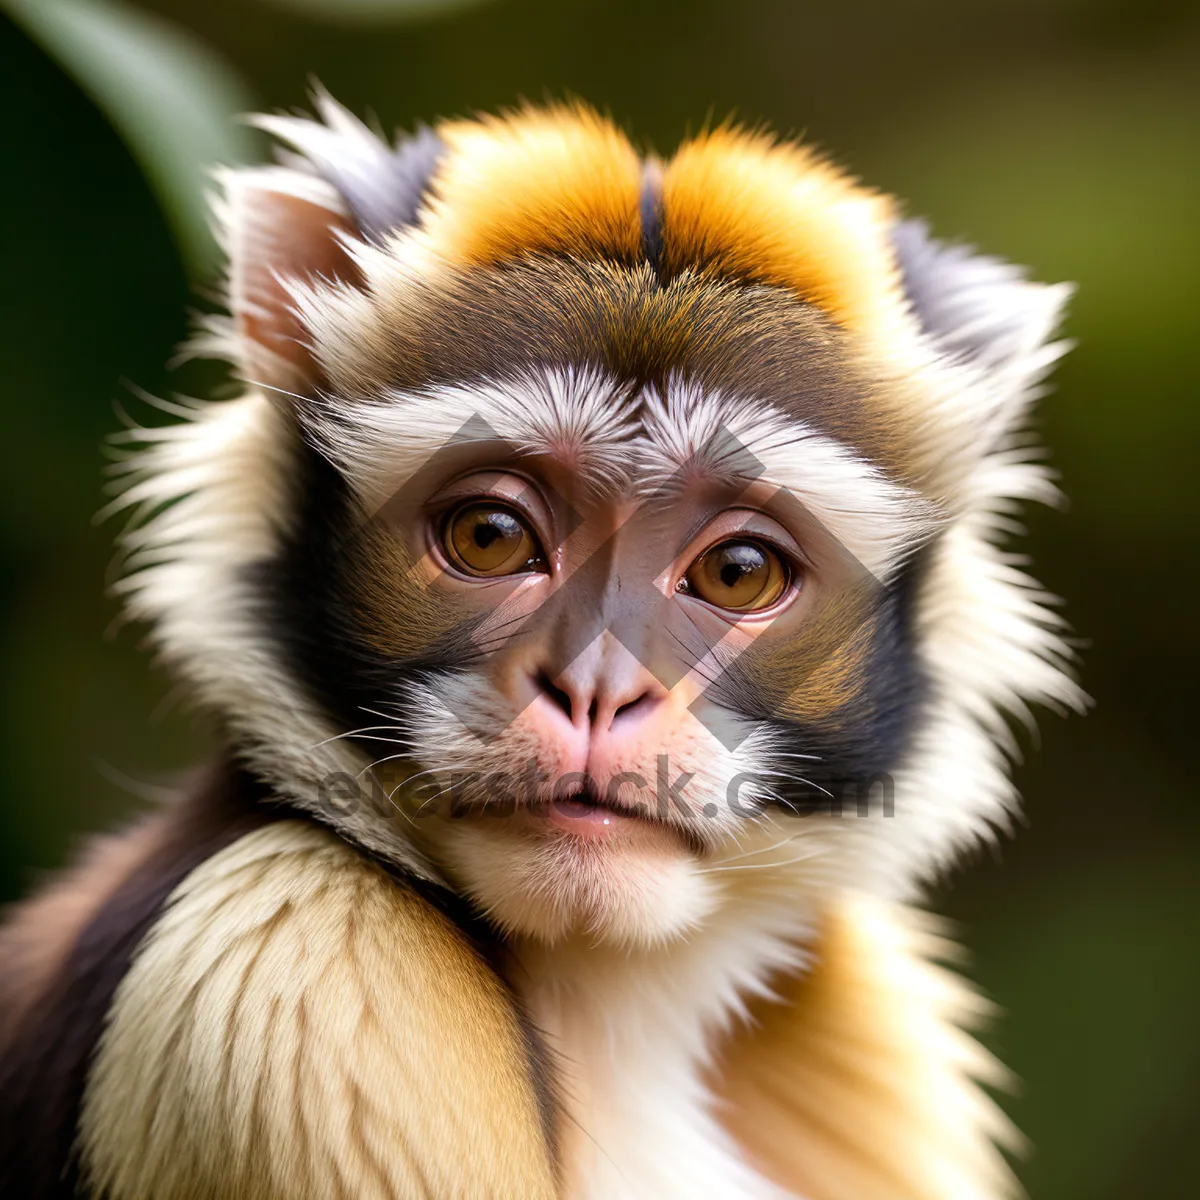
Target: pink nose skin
(601,716)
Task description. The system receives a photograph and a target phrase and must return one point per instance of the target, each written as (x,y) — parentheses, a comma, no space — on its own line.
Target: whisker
(375,737)
(380,761)
(798,779)
(402,812)
(412,778)
(434,798)
(791,862)
(393,717)
(762,849)
(351,733)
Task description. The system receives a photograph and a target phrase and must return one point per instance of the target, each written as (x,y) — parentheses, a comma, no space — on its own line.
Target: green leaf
(174,101)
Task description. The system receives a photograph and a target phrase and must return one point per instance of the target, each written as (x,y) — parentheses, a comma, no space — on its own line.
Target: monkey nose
(599,705)
(605,695)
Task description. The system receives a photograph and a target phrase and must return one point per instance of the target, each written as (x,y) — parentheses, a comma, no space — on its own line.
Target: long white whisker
(768,866)
(435,797)
(387,758)
(393,717)
(412,778)
(763,849)
(354,733)
(796,779)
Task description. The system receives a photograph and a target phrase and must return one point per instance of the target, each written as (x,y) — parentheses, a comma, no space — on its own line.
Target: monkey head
(614,540)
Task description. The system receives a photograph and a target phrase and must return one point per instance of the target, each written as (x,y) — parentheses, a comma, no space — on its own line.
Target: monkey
(601,585)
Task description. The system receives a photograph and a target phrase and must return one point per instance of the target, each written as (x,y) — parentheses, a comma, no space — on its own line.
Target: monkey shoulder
(297,1023)
(259,1012)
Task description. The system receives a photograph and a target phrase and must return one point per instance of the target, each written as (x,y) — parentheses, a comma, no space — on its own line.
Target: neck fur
(635,1031)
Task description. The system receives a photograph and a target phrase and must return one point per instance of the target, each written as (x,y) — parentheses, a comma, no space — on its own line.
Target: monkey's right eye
(490,539)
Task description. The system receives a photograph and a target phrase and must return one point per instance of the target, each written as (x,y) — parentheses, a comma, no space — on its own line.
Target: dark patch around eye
(860,741)
(309,606)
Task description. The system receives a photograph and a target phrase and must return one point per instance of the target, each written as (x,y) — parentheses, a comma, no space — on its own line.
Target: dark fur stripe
(43,1073)
(651,210)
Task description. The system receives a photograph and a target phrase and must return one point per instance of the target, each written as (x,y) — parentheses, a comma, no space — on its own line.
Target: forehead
(413,332)
(561,294)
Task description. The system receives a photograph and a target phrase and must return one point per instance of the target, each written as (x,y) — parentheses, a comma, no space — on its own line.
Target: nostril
(599,714)
(633,707)
(554,692)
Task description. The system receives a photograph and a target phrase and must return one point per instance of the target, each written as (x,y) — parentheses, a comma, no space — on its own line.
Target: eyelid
(736,524)
(482,486)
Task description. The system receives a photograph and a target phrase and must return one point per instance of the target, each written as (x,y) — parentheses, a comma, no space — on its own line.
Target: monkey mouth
(585,815)
(582,812)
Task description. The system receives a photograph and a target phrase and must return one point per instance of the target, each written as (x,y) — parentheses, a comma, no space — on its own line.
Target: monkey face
(597,783)
(624,643)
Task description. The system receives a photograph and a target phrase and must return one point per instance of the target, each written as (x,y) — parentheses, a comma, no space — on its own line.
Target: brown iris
(482,538)
(739,575)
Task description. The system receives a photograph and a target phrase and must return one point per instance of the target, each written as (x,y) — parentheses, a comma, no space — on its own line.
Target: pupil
(731,574)
(486,533)
(494,527)
(738,562)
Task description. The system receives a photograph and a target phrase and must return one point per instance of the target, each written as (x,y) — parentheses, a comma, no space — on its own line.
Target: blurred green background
(1060,133)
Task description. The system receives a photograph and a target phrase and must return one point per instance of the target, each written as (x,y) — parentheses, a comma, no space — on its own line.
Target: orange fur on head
(558,180)
(748,206)
(567,180)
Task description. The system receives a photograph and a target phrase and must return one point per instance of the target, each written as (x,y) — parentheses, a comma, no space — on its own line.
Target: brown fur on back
(62,956)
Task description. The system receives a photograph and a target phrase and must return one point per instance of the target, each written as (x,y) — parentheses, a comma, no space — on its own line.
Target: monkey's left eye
(484,538)
(739,575)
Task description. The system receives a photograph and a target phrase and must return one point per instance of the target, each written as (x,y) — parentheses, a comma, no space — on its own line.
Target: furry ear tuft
(279,228)
(983,312)
(383,187)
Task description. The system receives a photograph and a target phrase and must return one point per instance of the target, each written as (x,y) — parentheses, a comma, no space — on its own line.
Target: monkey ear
(383,185)
(291,225)
(279,228)
(983,312)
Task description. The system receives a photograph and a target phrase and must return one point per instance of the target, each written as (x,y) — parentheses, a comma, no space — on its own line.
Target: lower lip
(585,820)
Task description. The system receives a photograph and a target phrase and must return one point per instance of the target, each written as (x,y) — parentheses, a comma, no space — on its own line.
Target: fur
(745,205)
(560,180)
(586,420)
(382,186)
(294,997)
(819,1083)
(60,978)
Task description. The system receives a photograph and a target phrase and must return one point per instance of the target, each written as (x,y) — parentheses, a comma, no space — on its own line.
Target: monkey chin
(638,885)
